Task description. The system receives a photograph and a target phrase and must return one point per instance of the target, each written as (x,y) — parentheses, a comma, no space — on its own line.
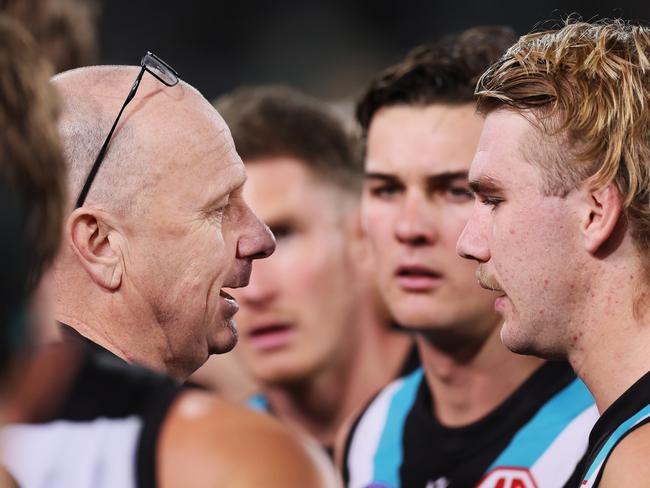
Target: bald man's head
(164,226)
(92,98)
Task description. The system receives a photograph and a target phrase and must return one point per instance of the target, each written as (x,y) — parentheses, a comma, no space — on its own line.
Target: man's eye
(218,212)
(282,232)
(492,202)
(384,190)
(459,193)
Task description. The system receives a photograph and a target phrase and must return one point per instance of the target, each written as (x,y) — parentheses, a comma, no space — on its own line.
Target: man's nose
(413,226)
(472,243)
(257,241)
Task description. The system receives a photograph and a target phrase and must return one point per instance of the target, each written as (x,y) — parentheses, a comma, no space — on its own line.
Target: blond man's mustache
(486,280)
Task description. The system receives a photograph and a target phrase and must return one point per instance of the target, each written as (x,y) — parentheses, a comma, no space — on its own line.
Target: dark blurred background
(328,49)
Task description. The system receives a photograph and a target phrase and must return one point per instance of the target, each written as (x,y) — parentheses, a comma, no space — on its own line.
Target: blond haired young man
(561,223)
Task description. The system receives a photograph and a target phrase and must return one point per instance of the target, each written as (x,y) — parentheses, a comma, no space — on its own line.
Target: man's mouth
(270,335)
(226,295)
(417,278)
(487,281)
(231,305)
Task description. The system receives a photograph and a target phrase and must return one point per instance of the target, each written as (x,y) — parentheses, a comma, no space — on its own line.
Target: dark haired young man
(313,332)
(475,414)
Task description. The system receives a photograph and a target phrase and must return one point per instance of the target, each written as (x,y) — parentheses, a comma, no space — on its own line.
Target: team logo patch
(508,478)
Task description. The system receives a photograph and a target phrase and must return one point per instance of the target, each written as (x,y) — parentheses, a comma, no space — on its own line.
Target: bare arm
(207,442)
(629,463)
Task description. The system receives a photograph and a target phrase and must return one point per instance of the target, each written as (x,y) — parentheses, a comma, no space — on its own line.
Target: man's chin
(414,317)
(283,376)
(514,340)
(518,342)
(226,339)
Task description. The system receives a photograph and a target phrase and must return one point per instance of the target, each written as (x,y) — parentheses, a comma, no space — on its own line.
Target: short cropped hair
(445,72)
(276,121)
(587,85)
(64,29)
(31,160)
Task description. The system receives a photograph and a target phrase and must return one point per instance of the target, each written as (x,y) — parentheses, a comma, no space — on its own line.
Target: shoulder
(206,441)
(628,464)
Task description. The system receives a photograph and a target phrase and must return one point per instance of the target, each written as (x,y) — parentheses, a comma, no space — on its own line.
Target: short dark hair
(276,121)
(445,72)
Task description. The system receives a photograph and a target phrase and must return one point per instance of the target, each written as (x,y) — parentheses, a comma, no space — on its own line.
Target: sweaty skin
(578,298)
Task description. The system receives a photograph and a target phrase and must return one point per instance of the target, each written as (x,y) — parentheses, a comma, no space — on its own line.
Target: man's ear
(357,239)
(97,247)
(601,218)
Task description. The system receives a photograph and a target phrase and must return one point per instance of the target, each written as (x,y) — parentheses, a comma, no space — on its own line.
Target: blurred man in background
(561,224)
(313,332)
(78,418)
(475,414)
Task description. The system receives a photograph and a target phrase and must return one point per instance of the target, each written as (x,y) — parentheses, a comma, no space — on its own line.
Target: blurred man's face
(525,241)
(196,235)
(416,202)
(296,312)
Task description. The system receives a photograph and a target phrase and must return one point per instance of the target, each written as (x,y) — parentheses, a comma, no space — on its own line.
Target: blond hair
(589,85)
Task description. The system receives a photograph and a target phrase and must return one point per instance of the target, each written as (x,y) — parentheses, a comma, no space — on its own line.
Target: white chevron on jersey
(73,454)
(367,436)
(558,462)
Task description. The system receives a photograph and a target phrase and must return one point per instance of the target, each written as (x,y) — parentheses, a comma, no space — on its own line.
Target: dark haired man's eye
(282,231)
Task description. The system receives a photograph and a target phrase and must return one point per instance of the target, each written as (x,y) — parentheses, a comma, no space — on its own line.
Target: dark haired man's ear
(97,247)
(357,239)
(601,220)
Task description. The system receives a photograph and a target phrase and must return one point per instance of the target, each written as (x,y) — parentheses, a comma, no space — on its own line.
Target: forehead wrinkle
(235,182)
(195,137)
(145,144)
(219,144)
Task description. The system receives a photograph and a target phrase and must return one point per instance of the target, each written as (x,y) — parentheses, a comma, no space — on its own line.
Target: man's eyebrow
(216,199)
(379,176)
(484,184)
(444,179)
(439,179)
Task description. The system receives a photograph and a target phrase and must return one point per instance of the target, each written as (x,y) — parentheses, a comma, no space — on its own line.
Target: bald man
(81,418)
(163,228)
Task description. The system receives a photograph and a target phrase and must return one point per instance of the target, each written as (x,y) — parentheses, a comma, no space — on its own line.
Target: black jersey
(536,438)
(630,411)
(260,402)
(103,435)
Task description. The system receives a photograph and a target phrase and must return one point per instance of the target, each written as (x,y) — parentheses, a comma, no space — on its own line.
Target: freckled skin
(528,242)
